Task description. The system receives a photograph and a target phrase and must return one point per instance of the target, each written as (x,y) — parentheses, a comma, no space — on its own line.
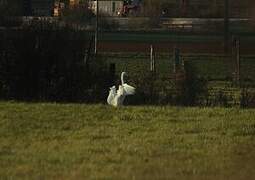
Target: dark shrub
(47,64)
(247,98)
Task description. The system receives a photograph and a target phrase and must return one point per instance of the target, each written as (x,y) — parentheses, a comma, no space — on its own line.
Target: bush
(193,86)
(247,98)
(79,14)
(48,65)
(154,89)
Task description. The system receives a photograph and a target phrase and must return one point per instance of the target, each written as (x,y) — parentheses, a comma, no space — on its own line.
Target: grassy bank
(166,36)
(72,141)
(206,65)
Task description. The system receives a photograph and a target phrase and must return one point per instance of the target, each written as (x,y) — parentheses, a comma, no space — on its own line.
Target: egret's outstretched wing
(121,94)
(111,96)
(129,90)
(113,89)
(121,90)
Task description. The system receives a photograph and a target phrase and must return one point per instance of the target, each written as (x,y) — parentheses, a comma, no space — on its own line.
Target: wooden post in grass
(152,74)
(152,59)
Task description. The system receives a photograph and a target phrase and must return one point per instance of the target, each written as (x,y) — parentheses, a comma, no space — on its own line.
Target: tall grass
(76,141)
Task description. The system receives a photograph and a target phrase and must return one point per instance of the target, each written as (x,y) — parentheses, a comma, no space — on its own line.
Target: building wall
(110,8)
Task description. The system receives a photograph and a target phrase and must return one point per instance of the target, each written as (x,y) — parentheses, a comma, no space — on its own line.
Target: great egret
(116,98)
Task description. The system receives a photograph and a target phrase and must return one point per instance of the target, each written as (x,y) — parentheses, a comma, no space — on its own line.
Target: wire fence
(212,82)
(212,67)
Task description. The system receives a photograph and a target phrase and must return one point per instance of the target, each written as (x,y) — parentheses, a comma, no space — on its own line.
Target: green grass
(76,141)
(157,37)
(165,36)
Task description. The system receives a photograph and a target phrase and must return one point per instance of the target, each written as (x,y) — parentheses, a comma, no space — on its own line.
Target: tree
(10,8)
(79,13)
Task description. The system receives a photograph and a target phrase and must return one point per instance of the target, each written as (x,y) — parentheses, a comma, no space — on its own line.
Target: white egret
(116,98)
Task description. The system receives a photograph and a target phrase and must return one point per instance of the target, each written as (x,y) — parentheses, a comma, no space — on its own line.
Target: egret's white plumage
(112,94)
(116,98)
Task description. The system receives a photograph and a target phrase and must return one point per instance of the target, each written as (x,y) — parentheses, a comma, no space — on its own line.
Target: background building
(167,8)
(108,7)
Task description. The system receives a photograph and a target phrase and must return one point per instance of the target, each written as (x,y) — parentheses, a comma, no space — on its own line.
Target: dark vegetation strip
(45,64)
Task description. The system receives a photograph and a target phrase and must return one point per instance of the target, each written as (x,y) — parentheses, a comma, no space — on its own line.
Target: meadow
(78,141)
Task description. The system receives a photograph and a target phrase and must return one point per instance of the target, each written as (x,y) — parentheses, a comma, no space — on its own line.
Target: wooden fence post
(152,59)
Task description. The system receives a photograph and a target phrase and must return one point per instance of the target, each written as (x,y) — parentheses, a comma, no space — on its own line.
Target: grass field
(166,36)
(76,141)
(165,41)
(157,37)
(144,36)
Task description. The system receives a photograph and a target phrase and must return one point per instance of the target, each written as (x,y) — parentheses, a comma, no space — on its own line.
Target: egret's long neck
(122,77)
